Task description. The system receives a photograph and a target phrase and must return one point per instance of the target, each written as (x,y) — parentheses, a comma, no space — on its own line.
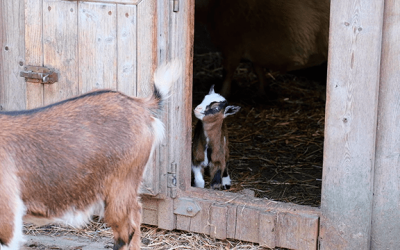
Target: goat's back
(65,155)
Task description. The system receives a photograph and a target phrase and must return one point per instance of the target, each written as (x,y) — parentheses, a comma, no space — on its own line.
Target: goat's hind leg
(12,211)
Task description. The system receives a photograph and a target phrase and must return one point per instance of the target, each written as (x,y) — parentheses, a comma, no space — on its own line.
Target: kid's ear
(231,110)
(212,90)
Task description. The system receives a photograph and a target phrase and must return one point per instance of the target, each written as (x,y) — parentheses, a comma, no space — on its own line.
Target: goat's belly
(71,217)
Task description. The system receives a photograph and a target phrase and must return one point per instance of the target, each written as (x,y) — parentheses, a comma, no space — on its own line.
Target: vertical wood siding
(60,48)
(350,128)
(386,212)
(12,87)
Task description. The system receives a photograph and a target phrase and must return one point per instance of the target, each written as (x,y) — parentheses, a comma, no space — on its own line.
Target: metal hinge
(171,180)
(186,207)
(175,5)
(39,74)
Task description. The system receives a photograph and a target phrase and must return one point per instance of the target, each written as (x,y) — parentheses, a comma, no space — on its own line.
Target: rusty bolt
(21,63)
(110,13)
(127,15)
(49,8)
(189,209)
(6,48)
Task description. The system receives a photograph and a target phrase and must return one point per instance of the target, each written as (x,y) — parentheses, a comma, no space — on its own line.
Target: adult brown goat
(279,35)
(68,161)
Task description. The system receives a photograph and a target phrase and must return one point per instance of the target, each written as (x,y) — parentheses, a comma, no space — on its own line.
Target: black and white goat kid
(210,150)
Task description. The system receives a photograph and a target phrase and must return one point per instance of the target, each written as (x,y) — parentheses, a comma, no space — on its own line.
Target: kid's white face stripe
(208,99)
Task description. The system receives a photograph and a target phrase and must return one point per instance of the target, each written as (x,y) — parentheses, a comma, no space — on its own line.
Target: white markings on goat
(18,236)
(226,181)
(79,218)
(198,176)
(208,99)
(167,74)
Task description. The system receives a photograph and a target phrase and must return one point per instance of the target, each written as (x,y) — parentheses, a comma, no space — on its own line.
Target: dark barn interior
(276,145)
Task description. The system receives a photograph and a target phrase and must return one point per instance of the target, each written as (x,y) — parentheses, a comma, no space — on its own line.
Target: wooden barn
(55,49)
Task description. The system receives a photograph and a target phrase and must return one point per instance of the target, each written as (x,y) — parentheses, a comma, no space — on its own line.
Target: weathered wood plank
(386,213)
(350,127)
(126,40)
(146,51)
(150,211)
(134,2)
(166,218)
(146,46)
(97,46)
(297,231)
(267,229)
(231,221)
(180,44)
(218,220)
(201,222)
(247,224)
(183,222)
(34,49)
(12,87)
(60,47)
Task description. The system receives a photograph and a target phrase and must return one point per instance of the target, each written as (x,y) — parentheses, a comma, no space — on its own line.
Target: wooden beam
(351,115)
(386,212)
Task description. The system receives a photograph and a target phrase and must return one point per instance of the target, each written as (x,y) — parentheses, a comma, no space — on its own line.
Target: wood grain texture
(166,218)
(350,127)
(150,211)
(201,222)
(126,40)
(97,46)
(60,47)
(34,49)
(2,45)
(386,213)
(267,229)
(218,221)
(134,2)
(247,224)
(146,46)
(297,231)
(231,221)
(145,67)
(13,87)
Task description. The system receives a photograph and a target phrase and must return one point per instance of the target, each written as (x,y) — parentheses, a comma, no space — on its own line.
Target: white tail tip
(166,74)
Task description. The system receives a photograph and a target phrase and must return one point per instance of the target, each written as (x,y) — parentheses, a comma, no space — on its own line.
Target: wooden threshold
(237,216)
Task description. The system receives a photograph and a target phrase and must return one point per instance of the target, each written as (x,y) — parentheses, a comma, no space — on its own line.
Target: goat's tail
(164,77)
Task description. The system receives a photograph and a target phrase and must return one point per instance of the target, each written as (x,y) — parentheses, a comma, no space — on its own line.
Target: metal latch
(39,74)
(186,207)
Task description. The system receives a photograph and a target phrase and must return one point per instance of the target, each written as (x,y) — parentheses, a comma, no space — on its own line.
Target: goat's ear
(212,90)
(231,110)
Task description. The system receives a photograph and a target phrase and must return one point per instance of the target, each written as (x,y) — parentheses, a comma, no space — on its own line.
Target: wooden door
(91,44)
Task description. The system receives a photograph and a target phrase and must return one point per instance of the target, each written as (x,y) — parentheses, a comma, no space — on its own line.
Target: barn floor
(276,145)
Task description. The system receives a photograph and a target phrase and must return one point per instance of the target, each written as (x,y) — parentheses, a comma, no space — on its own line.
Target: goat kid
(68,161)
(210,148)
